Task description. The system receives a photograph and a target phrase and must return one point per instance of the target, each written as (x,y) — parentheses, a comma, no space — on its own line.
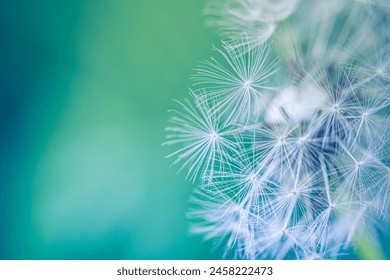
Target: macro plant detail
(286,131)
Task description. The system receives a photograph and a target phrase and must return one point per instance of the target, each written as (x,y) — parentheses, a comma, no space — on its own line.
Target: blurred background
(85,89)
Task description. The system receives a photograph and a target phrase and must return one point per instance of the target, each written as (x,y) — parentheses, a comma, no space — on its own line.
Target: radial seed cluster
(286,137)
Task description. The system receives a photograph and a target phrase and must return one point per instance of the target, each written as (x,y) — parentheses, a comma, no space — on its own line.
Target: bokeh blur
(85,89)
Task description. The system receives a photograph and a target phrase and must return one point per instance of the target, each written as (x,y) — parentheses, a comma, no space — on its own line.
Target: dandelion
(291,156)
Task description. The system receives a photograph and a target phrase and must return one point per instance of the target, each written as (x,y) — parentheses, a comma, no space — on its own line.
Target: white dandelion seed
(199,132)
(373,65)
(238,86)
(222,220)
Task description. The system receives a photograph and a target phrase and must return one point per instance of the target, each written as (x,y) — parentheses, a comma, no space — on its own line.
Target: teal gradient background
(85,89)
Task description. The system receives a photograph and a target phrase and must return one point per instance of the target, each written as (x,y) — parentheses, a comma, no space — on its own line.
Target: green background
(85,89)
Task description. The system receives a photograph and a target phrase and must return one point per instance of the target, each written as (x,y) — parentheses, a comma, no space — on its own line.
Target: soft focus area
(85,90)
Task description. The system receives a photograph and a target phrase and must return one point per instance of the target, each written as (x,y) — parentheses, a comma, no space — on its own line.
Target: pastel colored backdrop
(84,91)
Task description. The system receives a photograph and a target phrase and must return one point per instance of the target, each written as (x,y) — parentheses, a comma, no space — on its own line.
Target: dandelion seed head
(291,155)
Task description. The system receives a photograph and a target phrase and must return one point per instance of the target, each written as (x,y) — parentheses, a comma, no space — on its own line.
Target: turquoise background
(85,89)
